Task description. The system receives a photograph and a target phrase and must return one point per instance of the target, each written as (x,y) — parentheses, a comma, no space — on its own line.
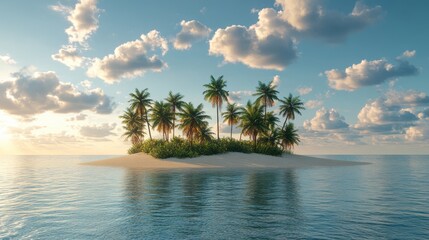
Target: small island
(254,120)
(269,144)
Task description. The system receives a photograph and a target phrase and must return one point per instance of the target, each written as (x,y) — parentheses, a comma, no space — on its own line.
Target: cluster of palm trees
(254,119)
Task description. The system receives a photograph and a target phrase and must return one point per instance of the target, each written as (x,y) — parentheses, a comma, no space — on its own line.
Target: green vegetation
(254,120)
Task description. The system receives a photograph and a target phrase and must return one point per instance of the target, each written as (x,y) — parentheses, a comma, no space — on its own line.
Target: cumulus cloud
(368,73)
(191,32)
(310,18)
(236,96)
(408,54)
(311,104)
(276,81)
(131,59)
(83,18)
(271,43)
(419,132)
(239,44)
(304,90)
(410,98)
(7,59)
(32,93)
(393,112)
(69,56)
(98,131)
(86,83)
(326,120)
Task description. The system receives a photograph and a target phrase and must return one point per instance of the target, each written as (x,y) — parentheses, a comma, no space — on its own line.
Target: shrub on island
(181,148)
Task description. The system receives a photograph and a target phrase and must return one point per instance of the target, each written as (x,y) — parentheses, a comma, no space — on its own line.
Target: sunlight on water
(48,197)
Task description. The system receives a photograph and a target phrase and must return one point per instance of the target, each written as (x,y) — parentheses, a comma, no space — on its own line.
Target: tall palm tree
(133,126)
(289,136)
(252,121)
(216,94)
(231,115)
(266,94)
(289,106)
(140,103)
(162,118)
(192,119)
(176,103)
(205,133)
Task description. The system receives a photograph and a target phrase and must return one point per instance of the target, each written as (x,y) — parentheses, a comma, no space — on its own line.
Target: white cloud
(32,93)
(98,131)
(408,54)
(69,56)
(311,104)
(254,10)
(410,98)
(326,120)
(191,32)
(276,81)
(392,113)
(236,96)
(241,44)
(83,19)
(131,59)
(86,84)
(304,90)
(271,43)
(367,73)
(310,18)
(7,59)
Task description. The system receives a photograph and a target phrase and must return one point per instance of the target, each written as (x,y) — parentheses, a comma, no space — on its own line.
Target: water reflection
(205,202)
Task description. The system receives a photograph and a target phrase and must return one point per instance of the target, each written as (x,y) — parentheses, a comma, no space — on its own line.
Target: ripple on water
(53,197)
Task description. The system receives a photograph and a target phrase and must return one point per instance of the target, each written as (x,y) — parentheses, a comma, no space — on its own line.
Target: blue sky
(359,66)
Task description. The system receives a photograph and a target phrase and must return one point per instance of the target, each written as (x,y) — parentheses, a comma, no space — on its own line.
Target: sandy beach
(227,160)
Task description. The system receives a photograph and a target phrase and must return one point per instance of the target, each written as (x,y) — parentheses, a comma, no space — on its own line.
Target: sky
(67,68)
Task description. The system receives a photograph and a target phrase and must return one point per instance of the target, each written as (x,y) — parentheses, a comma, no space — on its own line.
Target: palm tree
(205,133)
(176,103)
(272,137)
(231,115)
(140,103)
(289,106)
(162,118)
(266,95)
(192,119)
(252,121)
(216,94)
(133,126)
(289,137)
(271,120)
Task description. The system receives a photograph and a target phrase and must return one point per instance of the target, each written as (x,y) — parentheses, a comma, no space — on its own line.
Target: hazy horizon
(67,68)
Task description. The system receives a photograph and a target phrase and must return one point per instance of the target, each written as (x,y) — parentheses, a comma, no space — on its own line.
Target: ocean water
(53,197)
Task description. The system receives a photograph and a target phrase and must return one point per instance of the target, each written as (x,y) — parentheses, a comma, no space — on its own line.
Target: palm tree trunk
(231,131)
(174,124)
(284,124)
(265,116)
(148,127)
(241,135)
(217,118)
(174,120)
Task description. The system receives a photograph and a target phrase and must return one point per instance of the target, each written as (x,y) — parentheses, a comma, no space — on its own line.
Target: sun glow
(4,136)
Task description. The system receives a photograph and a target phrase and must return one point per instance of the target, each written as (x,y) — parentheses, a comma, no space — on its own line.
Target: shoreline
(230,160)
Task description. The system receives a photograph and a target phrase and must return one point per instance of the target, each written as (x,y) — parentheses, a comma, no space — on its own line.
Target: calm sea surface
(53,197)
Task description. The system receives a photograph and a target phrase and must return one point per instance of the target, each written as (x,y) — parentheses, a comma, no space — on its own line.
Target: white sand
(227,160)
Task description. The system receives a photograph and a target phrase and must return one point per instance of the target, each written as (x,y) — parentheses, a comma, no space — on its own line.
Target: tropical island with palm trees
(256,122)
(264,140)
